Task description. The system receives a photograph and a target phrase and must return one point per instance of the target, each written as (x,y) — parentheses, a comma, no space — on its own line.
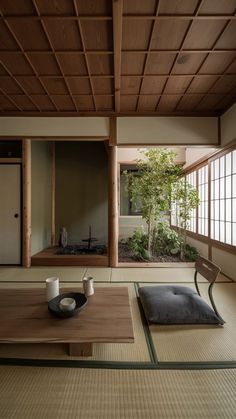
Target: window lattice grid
(203,201)
(223,199)
(192,224)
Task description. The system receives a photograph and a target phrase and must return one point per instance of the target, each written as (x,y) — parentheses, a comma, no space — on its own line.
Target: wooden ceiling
(143,57)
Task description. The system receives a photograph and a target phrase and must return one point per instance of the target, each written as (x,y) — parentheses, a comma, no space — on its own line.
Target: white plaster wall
(226,261)
(131,154)
(41,196)
(167,130)
(200,246)
(127,225)
(228,126)
(82,190)
(54,126)
(193,154)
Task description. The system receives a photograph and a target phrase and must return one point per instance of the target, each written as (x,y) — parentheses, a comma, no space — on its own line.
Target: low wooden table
(24,318)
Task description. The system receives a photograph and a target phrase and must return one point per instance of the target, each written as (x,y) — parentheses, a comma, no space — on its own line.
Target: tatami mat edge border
(117,365)
(148,336)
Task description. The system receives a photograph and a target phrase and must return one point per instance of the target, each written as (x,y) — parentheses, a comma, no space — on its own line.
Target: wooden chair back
(210,271)
(207,269)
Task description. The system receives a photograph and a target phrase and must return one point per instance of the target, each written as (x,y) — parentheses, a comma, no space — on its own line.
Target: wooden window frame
(207,239)
(130,214)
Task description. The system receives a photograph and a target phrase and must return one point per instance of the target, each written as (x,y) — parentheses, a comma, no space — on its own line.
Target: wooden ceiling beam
(85,52)
(180,17)
(129,94)
(55,17)
(55,55)
(28,60)
(213,49)
(64,52)
(197,9)
(175,51)
(10,99)
(21,87)
(110,114)
(51,60)
(117,10)
(219,78)
(103,52)
(68,76)
(104,76)
(147,55)
(125,16)
(231,100)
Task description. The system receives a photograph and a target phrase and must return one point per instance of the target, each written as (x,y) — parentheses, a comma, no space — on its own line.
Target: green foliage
(191,253)
(123,241)
(167,240)
(157,184)
(187,199)
(138,244)
(157,172)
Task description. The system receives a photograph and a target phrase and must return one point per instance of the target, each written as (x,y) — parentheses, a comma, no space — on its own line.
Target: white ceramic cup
(52,288)
(67,304)
(88,286)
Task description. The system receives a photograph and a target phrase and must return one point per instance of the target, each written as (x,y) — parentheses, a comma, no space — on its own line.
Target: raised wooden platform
(48,257)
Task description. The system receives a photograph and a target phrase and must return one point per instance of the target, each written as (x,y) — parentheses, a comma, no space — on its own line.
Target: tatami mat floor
(175,344)
(167,373)
(60,393)
(100,274)
(200,343)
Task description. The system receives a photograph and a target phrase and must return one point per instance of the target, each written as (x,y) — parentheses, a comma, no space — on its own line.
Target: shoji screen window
(192,225)
(203,201)
(223,199)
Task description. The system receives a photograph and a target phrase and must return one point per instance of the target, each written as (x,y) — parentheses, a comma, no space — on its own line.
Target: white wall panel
(195,154)
(226,261)
(127,225)
(53,126)
(228,126)
(131,154)
(200,246)
(167,130)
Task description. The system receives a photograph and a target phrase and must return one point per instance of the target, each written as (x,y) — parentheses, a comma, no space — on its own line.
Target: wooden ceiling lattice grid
(136,57)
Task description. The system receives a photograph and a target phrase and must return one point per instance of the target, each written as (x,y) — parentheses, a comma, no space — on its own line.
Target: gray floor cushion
(175,304)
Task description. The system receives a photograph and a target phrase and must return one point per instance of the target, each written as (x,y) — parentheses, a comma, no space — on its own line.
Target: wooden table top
(24,317)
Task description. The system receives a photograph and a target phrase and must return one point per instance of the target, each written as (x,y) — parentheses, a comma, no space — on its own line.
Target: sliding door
(10,214)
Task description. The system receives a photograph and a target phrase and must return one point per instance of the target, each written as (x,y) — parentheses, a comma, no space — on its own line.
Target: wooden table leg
(81,349)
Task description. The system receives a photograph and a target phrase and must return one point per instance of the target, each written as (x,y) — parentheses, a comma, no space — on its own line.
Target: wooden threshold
(156,264)
(47,257)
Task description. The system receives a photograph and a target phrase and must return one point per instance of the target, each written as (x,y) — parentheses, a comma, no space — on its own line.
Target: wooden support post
(113,208)
(53,195)
(26,155)
(113,131)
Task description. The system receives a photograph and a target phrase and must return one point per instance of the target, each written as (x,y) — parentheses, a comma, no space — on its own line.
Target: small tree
(186,198)
(157,173)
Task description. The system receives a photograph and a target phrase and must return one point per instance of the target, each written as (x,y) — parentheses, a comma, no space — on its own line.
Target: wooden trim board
(47,257)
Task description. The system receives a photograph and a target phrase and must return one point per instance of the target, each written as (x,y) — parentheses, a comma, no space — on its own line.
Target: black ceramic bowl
(54,304)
